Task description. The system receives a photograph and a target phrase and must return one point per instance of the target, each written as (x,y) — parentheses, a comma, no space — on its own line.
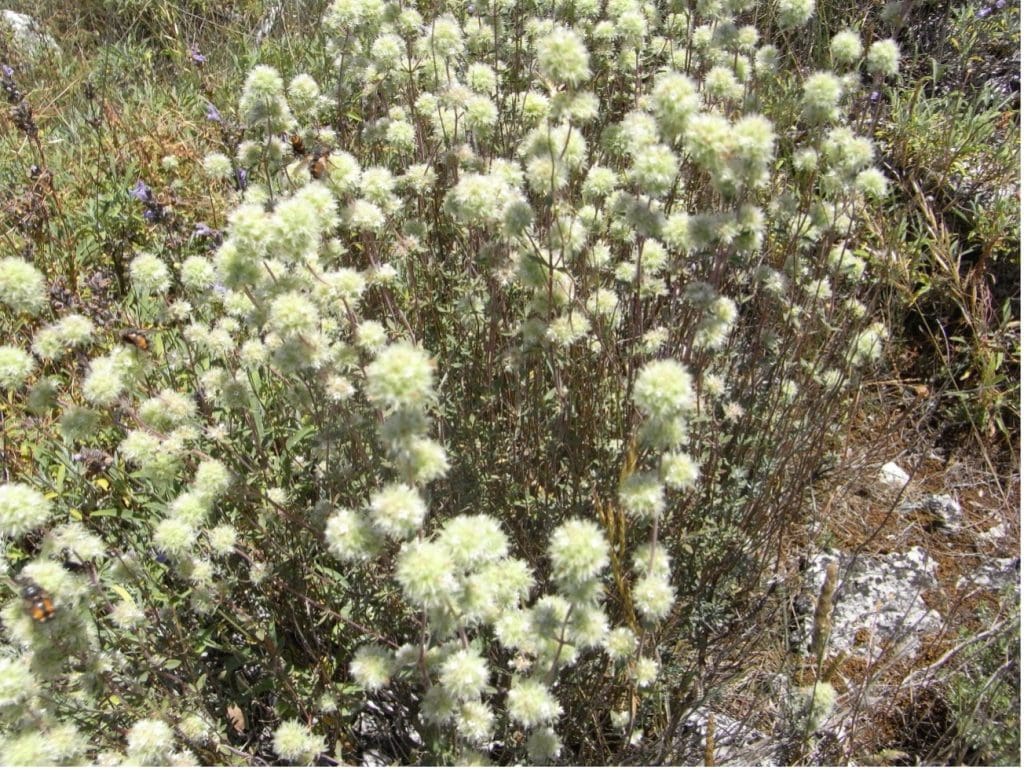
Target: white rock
(373,758)
(945,512)
(994,535)
(893,475)
(994,574)
(26,34)
(880,594)
(737,743)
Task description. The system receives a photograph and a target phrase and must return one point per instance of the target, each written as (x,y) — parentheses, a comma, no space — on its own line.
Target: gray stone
(737,744)
(995,535)
(27,35)
(945,512)
(373,758)
(994,574)
(385,732)
(880,595)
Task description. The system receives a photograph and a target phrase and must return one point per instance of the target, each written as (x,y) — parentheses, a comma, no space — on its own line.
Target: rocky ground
(926,541)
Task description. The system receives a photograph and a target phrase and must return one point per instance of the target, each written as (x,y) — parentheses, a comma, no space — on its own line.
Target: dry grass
(893,709)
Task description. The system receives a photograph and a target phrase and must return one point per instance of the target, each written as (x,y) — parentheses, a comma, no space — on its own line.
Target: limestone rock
(945,512)
(994,574)
(878,603)
(27,35)
(893,475)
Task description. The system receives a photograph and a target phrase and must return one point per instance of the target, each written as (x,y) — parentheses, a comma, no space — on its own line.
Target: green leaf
(120,591)
(298,436)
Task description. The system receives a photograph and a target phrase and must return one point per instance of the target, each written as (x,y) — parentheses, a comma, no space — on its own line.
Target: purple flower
(241,178)
(1000,4)
(197,58)
(203,230)
(141,192)
(874,96)
(152,210)
(212,113)
(983,13)
(8,72)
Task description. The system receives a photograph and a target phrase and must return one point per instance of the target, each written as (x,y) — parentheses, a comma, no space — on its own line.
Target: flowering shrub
(481,425)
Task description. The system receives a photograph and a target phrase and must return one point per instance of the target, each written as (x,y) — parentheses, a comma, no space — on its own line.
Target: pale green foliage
(530,703)
(817,702)
(294,742)
(884,58)
(15,367)
(372,667)
(21,286)
(401,376)
(846,47)
(794,13)
(16,682)
(150,742)
(22,509)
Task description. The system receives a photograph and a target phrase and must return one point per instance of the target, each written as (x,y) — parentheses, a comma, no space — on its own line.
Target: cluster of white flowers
(639,227)
(616,185)
(464,579)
